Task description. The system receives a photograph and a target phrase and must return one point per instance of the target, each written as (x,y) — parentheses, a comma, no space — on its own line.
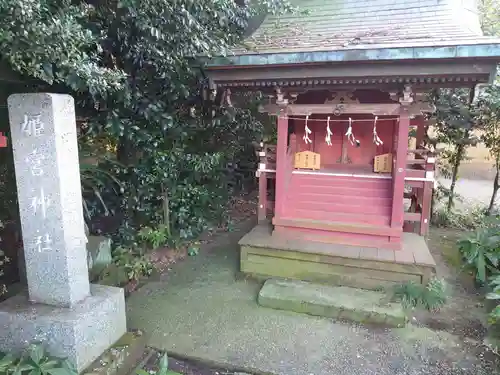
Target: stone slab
(122,357)
(344,303)
(81,333)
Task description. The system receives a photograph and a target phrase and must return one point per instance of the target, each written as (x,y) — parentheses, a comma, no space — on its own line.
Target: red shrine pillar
(281,159)
(399,169)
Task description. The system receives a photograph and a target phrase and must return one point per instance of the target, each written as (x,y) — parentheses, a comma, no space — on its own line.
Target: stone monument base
(81,333)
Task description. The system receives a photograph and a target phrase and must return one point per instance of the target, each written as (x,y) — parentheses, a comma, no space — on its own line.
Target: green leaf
(22,367)
(164,362)
(61,371)
(142,372)
(493,295)
(481,268)
(36,353)
(6,361)
(70,366)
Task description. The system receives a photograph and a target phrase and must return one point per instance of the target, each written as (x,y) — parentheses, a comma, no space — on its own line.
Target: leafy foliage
(431,296)
(494,315)
(469,218)
(154,237)
(490,16)
(489,118)
(48,40)
(35,361)
(134,71)
(133,261)
(95,179)
(455,119)
(481,250)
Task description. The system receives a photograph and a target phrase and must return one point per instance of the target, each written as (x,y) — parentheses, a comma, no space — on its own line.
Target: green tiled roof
(368,24)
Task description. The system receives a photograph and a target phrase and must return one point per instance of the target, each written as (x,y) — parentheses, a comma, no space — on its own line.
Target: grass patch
(445,240)
(414,295)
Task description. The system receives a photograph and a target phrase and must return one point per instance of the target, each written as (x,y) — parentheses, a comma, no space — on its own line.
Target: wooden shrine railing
(420,178)
(267,177)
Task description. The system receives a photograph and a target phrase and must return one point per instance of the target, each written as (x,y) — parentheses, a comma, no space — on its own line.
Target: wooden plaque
(307,160)
(383,163)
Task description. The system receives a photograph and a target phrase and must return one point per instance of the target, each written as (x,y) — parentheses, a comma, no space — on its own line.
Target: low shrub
(35,361)
(414,295)
(480,250)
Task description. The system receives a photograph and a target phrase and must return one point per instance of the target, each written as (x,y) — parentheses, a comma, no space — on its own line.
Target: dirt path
(464,315)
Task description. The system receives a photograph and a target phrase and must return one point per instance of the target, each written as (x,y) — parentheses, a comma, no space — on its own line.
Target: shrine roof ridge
(364,30)
(487,48)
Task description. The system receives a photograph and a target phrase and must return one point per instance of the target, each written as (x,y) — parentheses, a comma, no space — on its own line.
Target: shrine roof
(366,30)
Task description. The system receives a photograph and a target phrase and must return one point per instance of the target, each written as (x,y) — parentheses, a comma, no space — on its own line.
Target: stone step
(358,305)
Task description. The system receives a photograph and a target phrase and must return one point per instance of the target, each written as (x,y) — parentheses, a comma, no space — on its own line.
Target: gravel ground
(199,311)
(473,192)
(227,328)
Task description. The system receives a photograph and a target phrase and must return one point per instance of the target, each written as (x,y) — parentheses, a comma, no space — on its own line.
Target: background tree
(490,16)
(455,122)
(489,118)
(142,100)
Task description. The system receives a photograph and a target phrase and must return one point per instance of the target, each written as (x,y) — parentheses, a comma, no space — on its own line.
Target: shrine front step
(343,303)
(339,238)
(353,234)
(265,256)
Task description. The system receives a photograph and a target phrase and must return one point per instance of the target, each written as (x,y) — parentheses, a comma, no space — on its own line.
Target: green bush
(466,219)
(430,297)
(133,261)
(480,250)
(494,315)
(35,361)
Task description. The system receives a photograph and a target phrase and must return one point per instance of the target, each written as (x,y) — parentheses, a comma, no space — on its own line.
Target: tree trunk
(457,160)
(496,186)
(166,210)
(124,151)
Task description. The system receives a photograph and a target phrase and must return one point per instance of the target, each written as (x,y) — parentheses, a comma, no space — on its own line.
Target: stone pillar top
(44,142)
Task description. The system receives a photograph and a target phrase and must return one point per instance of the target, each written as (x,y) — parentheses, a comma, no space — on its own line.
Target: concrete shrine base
(264,256)
(81,333)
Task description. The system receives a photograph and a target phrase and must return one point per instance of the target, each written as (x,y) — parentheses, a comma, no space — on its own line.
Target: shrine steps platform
(339,209)
(340,232)
(264,255)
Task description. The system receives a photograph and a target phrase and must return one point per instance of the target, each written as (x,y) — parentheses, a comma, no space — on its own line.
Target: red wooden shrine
(345,193)
(345,201)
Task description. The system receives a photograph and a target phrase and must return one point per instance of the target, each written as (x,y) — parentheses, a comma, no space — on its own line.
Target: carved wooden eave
(342,97)
(376,109)
(422,75)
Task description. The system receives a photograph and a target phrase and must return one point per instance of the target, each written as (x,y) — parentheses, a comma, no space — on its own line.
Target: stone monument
(73,318)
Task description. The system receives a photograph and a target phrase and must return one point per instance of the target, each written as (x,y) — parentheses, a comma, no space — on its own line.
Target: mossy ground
(201,311)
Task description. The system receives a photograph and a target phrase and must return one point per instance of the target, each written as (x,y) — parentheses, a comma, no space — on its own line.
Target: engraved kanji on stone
(35,159)
(32,125)
(43,243)
(40,203)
